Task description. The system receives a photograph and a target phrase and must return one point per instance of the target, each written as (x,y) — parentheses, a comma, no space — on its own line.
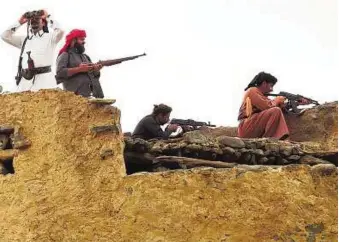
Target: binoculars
(34,14)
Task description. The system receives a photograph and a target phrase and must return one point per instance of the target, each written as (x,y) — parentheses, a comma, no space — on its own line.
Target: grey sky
(200,54)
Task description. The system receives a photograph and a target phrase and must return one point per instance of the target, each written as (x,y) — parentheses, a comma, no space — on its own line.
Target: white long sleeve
(58,33)
(9,36)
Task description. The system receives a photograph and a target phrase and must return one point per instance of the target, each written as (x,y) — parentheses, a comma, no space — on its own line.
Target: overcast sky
(200,54)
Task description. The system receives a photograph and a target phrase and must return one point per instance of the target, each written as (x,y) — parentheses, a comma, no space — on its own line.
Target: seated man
(258,115)
(149,126)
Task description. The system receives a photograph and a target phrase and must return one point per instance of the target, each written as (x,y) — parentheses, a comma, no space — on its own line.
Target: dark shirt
(83,84)
(148,128)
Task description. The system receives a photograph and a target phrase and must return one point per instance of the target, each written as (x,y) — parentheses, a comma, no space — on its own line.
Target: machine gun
(190,123)
(293,100)
(186,125)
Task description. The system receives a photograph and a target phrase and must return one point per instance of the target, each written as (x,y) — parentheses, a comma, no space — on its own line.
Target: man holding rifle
(75,69)
(150,126)
(260,116)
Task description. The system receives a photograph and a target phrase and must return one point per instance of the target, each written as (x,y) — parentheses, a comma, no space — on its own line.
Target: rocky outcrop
(70,184)
(197,149)
(317,127)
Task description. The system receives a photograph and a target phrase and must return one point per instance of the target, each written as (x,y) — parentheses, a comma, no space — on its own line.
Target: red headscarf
(75,33)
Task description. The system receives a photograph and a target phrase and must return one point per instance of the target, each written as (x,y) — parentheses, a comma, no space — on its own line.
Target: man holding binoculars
(37,50)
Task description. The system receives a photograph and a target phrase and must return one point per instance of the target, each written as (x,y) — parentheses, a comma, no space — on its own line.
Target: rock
(272,160)
(315,228)
(191,162)
(136,144)
(195,137)
(311,160)
(250,145)
(286,150)
(237,155)
(273,148)
(217,150)
(193,147)
(19,141)
(324,170)
(294,158)
(245,158)
(263,161)
(260,143)
(228,150)
(160,169)
(258,152)
(279,161)
(105,128)
(233,142)
(323,130)
(267,153)
(241,169)
(3,141)
(156,148)
(297,151)
(253,160)
(6,129)
(102,101)
(244,150)
(106,152)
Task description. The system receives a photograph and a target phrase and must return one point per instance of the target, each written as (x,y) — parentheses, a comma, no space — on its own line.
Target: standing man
(258,115)
(37,50)
(150,126)
(74,68)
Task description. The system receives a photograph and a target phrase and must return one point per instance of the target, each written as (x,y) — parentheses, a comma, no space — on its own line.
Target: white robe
(42,47)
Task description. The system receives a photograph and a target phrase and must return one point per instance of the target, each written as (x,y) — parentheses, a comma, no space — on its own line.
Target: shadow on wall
(11,141)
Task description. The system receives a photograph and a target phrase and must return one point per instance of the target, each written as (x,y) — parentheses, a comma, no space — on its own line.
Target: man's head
(75,38)
(264,81)
(79,44)
(35,19)
(162,113)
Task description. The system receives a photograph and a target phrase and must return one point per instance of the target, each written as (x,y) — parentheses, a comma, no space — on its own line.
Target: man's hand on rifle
(172,127)
(97,67)
(85,67)
(279,101)
(304,101)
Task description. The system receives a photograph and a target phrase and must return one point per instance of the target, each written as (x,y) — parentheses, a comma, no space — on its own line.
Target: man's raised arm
(9,34)
(58,33)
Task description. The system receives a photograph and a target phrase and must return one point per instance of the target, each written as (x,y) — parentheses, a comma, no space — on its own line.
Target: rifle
(118,61)
(190,122)
(294,100)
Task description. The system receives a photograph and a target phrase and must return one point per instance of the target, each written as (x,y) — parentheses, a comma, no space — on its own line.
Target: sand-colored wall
(63,191)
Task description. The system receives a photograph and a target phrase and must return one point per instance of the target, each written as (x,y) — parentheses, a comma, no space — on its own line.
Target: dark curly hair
(161,108)
(260,78)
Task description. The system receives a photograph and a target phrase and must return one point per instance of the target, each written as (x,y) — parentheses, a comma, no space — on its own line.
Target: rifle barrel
(117,61)
(272,95)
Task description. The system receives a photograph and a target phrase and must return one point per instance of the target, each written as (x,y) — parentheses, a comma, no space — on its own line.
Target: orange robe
(261,117)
